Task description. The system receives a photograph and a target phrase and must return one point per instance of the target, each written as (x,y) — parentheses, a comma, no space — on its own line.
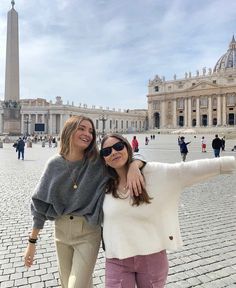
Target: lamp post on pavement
(103,118)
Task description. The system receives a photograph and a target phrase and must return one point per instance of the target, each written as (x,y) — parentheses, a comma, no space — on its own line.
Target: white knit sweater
(150,228)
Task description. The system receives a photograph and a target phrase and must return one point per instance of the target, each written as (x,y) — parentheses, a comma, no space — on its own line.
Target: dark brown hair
(113,182)
(69,129)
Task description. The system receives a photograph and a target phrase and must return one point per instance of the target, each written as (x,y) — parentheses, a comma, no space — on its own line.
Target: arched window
(156,117)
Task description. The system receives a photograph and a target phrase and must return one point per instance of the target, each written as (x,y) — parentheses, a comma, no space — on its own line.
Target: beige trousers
(77,245)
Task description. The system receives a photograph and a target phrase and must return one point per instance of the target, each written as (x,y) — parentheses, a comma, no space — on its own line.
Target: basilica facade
(206,99)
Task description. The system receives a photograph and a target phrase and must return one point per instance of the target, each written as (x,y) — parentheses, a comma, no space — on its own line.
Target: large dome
(228,60)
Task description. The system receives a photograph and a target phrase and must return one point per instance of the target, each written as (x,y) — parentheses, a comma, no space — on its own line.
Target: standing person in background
(216,145)
(134,144)
(20,148)
(71,191)
(223,143)
(183,147)
(203,142)
(146,140)
(137,231)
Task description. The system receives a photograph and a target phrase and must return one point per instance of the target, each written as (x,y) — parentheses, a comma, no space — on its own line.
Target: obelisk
(12,90)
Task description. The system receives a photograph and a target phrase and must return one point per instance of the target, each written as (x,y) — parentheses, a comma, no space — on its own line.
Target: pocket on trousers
(112,283)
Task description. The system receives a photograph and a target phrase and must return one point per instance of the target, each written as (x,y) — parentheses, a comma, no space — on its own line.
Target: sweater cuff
(227,164)
(38,223)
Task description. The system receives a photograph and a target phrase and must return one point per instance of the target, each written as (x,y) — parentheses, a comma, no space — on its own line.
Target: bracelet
(32,240)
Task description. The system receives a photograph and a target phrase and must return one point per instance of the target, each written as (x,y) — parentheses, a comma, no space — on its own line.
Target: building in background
(39,116)
(206,99)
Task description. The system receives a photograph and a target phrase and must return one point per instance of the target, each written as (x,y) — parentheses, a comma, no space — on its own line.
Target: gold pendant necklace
(74,181)
(124,193)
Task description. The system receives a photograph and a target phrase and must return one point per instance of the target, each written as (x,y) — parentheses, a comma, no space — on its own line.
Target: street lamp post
(103,118)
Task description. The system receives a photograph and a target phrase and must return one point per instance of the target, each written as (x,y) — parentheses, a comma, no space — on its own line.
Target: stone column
(189,112)
(224,113)
(174,114)
(22,123)
(36,118)
(219,123)
(30,120)
(61,122)
(43,121)
(185,112)
(50,124)
(210,111)
(150,115)
(1,123)
(163,114)
(197,112)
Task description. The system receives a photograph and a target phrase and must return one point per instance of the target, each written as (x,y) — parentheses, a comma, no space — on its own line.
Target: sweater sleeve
(138,156)
(193,172)
(40,202)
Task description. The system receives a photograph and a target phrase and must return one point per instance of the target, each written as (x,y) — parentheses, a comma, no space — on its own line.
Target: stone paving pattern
(207,215)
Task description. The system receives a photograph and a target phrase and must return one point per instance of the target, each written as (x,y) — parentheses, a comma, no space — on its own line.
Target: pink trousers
(148,271)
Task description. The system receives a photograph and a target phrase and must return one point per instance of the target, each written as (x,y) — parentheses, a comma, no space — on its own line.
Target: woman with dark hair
(71,192)
(138,230)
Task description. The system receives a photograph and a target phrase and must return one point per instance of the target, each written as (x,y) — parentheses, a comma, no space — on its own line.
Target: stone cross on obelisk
(12,90)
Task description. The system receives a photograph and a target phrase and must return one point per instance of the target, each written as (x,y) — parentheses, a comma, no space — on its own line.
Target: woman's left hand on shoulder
(135,179)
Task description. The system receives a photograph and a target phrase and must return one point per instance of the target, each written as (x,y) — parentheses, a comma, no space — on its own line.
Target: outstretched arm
(196,171)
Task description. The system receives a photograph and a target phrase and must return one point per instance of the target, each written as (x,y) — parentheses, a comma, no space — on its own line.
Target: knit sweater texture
(55,196)
(149,228)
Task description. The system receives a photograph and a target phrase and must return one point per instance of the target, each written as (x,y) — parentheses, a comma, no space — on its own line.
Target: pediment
(203,85)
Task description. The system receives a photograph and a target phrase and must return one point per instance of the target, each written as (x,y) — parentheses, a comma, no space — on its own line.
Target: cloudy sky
(103,52)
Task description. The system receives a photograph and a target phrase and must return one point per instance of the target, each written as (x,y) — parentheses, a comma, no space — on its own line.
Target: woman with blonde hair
(71,192)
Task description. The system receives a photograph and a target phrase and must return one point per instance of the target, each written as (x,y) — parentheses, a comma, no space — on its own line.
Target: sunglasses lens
(106,151)
(119,146)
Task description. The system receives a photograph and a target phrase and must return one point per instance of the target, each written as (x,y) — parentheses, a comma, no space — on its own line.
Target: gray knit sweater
(55,196)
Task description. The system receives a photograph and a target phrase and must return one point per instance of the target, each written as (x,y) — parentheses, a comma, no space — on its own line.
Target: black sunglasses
(104,152)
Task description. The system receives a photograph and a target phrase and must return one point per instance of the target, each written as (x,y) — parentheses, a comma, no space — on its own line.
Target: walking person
(216,145)
(223,143)
(137,231)
(134,144)
(20,148)
(203,143)
(71,192)
(183,147)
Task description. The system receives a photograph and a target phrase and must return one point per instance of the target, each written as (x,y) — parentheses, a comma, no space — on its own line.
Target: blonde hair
(69,129)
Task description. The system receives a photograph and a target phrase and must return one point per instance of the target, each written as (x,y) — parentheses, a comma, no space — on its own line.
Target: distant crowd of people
(20,143)
(218,145)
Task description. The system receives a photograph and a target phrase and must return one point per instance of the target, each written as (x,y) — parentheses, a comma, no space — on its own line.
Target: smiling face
(117,159)
(83,136)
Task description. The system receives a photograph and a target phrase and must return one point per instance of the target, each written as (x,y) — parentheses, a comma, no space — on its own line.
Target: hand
(29,255)
(135,179)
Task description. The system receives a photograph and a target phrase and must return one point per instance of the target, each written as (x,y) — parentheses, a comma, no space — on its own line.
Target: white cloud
(104,52)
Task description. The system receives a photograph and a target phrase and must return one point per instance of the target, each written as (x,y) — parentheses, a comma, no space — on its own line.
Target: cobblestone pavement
(207,214)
